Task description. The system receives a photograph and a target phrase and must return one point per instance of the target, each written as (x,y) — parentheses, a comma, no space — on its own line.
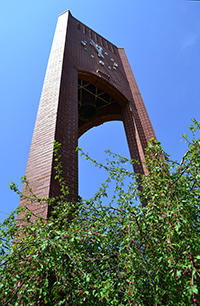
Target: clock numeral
(101,63)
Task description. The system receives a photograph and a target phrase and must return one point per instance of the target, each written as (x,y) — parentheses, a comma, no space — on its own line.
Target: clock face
(99,50)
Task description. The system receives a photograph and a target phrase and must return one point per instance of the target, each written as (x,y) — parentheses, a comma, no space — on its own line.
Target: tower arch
(105,97)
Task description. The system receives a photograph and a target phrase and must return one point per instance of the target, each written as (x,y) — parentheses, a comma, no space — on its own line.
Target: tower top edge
(67,11)
(92,30)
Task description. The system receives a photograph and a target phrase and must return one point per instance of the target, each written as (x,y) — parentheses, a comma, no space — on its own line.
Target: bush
(122,253)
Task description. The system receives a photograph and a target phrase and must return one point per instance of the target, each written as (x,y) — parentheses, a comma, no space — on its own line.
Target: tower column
(137,124)
(40,161)
(135,146)
(67,132)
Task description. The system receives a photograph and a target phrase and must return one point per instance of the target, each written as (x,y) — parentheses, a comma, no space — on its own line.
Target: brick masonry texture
(57,117)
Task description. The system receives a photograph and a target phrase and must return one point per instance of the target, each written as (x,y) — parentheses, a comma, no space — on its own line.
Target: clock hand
(98,48)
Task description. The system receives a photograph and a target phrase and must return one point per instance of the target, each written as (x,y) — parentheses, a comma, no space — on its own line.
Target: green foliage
(116,254)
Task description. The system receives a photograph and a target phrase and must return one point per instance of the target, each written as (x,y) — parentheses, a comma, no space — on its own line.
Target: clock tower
(88,82)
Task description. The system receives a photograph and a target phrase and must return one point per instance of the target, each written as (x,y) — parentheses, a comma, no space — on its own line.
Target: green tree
(116,254)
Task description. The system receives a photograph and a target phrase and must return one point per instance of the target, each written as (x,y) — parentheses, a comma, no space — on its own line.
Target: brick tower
(88,82)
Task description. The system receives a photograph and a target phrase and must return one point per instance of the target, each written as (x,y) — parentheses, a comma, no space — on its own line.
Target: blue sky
(162,43)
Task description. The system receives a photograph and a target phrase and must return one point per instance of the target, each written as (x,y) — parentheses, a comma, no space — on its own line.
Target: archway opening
(100,105)
(108,136)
